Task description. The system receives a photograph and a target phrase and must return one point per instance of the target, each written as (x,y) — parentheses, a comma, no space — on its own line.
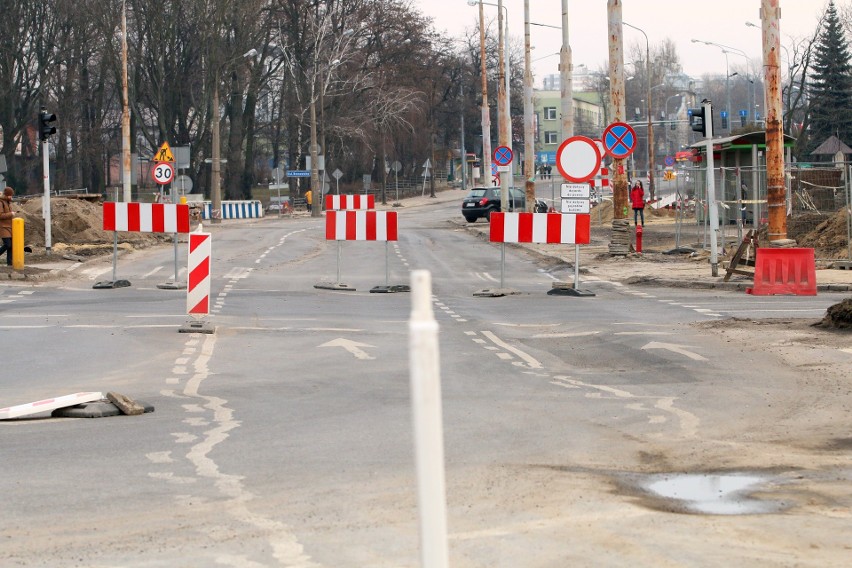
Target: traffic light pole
(45,207)
(711,189)
(705,128)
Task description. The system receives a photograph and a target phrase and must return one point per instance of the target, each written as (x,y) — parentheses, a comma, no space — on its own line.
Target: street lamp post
(504,101)
(650,118)
(668,144)
(726,49)
(486,116)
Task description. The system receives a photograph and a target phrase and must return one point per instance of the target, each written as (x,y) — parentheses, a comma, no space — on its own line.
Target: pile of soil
(828,238)
(75,227)
(838,316)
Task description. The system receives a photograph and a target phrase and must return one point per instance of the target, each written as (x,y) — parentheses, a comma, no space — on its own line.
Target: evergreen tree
(830,84)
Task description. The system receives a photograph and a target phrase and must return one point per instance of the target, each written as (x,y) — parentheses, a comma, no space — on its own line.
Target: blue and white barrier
(235,210)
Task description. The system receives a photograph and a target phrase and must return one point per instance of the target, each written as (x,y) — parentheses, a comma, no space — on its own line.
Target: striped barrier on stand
(600,180)
(198,282)
(554,228)
(146,217)
(337,202)
(360,226)
(235,210)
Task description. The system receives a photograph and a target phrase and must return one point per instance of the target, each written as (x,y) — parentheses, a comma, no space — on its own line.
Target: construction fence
(819,204)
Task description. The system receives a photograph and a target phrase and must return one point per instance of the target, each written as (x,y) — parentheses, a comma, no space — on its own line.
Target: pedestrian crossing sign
(164,154)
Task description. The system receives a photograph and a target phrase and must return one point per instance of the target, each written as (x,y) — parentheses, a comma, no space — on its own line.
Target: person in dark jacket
(637,201)
(6,216)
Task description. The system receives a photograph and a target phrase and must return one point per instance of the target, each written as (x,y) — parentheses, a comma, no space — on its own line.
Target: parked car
(483,201)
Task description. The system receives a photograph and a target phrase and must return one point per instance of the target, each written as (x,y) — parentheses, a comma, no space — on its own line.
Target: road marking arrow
(676,349)
(351,346)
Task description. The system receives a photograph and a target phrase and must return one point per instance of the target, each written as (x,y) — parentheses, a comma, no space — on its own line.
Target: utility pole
(502,114)
(486,117)
(770,16)
(566,79)
(463,148)
(620,237)
(125,114)
(529,131)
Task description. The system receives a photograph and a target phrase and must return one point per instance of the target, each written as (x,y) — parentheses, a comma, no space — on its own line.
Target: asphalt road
(285,438)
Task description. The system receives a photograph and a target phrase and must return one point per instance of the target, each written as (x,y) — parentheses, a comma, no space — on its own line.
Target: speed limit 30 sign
(163,173)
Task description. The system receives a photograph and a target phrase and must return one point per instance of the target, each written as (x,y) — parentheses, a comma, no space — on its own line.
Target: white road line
(563,335)
(152,272)
(531,361)
(642,333)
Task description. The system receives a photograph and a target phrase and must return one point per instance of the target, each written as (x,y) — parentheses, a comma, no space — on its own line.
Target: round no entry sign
(578,159)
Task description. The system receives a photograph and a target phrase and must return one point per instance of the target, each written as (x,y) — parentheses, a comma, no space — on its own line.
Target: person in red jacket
(637,201)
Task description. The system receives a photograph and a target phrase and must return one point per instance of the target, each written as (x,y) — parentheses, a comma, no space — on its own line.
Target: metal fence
(819,204)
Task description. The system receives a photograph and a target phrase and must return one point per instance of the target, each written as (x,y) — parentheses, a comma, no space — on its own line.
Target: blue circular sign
(670,161)
(503,155)
(619,139)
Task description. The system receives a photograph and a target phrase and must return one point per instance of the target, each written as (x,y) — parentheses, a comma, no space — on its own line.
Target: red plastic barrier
(784,271)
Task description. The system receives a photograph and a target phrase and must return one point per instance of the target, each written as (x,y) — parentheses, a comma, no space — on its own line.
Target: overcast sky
(719,21)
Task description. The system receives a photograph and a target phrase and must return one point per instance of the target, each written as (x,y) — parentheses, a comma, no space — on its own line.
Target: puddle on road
(709,494)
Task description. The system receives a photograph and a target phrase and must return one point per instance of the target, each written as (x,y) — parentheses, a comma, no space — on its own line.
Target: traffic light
(701,119)
(696,121)
(46,129)
(724,114)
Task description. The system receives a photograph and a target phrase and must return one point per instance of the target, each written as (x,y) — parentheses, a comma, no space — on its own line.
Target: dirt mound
(75,224)
(838,316)
(828,238)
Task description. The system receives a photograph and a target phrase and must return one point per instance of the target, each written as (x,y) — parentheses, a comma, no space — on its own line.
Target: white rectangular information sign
(575,190)
(575,205)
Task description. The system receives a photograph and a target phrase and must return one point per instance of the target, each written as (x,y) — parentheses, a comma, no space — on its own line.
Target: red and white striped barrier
(49,404)
(338,202)
(600,180)
(146,217)
(360,226)
(198,281)
(555,228)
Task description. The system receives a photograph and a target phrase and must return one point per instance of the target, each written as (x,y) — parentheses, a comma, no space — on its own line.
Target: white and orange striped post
(198,282)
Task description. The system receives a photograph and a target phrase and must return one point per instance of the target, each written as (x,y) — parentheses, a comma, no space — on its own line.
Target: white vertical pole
(339,254)
(425,375)
(576,267)
(502,265)
(711,192)
(45,206)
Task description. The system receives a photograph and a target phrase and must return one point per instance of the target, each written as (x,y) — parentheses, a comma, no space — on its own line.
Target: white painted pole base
(425,373)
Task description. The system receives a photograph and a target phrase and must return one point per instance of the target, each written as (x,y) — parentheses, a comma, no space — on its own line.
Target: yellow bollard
(183,200)
(17,243)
